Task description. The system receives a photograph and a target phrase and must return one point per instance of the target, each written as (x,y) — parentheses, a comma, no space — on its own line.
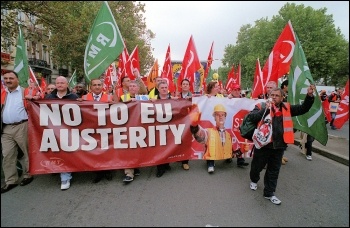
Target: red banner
(70,136)
(73,136)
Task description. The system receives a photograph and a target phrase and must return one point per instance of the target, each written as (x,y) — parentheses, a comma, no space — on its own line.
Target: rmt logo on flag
(104,44)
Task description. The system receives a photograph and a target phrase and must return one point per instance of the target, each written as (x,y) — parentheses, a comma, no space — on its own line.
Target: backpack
(247,127)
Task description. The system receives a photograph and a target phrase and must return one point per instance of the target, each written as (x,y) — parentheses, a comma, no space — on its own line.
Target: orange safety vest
(214,148)
(288,132)
(104,97)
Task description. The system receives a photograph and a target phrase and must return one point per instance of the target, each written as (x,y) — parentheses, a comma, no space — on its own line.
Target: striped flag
(299,80)
(21,60)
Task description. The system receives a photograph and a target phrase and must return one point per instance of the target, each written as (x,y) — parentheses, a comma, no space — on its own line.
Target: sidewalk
(337,148)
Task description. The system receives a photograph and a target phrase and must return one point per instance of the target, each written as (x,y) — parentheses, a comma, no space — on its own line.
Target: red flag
(133,63)
(167,71)
(325,105)
(3,87)
(123,58)
(258,87)
(280,58)
(343,109)
(230,78)
(209,62)
(190,65)
(43,86)
(32,79)
(107,82)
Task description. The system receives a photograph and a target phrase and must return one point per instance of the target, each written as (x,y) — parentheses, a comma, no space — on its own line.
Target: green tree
(326,49)
(69,25)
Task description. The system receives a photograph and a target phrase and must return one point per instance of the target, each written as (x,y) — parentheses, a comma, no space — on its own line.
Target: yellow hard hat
(219,108)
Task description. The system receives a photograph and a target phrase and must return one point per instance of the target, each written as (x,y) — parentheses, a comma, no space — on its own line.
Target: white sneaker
(274,200)
(253,186)
(65,185)
(308,157)
(211,169)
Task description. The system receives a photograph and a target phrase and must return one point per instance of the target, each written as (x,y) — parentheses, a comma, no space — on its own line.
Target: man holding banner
(14,132)
(62,92)
(96,94)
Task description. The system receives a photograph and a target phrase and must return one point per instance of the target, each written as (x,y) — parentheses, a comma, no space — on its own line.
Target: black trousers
(163,167)
(273,159)
(308,144)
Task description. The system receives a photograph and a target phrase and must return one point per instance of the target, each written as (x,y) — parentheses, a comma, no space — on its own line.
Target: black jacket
(69,95)
(277,121)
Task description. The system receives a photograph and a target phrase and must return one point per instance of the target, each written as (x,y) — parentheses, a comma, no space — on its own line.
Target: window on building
(4,12)
(7,45)
(32,19)
(44,52)
(20,16)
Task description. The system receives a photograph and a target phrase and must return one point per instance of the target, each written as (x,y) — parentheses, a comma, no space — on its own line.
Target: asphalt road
(343,132)
(313,193)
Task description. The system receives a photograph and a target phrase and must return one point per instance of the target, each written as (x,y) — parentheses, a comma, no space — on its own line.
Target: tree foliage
(326,49)
(69,25)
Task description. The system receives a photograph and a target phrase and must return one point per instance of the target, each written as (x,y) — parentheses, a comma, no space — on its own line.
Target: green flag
(104,44)
(21,60)
(312,122)
(73,80)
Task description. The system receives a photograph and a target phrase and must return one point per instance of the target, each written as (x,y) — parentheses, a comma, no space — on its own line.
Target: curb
(321,151)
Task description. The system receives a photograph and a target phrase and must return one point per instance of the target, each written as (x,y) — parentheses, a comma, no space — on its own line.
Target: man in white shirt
(14,132)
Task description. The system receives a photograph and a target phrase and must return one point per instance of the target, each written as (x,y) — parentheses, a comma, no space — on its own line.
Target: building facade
(37,46)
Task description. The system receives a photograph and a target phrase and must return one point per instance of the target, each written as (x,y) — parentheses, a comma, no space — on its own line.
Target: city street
(313,193)
(342,133)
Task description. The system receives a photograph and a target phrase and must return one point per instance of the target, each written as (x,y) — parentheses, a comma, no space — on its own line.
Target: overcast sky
(174,23)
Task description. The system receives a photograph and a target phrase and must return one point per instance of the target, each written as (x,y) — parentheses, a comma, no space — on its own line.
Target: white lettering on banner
(70,112)
(118,137)
(151,136)
(86,135)
(147,110)
(104,137)
(48,141)
(71,140)
(113,110)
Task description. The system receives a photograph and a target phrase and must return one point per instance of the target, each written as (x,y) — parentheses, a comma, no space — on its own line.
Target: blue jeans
(66,176)
(333,114)
(210,163)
